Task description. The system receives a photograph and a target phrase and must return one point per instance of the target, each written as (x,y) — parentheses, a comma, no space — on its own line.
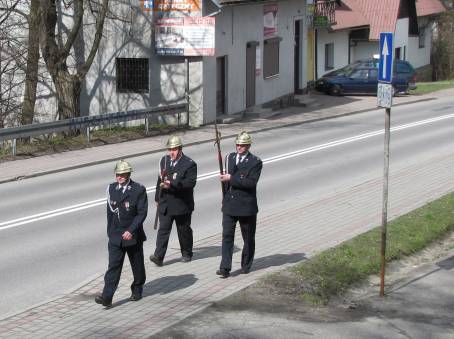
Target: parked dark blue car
(360,77)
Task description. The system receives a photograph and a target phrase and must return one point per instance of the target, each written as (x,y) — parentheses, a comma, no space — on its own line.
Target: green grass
(333,271)
(428,87)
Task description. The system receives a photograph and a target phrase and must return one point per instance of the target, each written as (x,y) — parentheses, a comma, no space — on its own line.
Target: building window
(422,37)
(271,57)
(398,53)
(132,75)
(329,56)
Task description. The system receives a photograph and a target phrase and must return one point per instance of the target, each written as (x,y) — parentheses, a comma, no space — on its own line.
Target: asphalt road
(52,228)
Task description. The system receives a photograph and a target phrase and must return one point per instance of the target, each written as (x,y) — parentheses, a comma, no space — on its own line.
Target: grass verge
(332,271)
(428,87)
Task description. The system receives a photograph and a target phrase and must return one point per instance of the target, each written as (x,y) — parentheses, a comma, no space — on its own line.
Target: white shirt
(123,187)
(240,157)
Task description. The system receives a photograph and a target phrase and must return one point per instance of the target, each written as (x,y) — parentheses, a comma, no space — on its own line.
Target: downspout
(316,54)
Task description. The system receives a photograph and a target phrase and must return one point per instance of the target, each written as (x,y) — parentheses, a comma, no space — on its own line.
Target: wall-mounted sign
(187,36)
(320,21)
(270,21)
(147,5)
(183,6)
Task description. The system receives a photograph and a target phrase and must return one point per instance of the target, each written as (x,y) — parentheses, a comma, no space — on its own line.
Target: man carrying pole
(239,203)
(175,200)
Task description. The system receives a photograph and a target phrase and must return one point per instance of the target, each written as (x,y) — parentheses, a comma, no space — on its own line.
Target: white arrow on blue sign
(385,67)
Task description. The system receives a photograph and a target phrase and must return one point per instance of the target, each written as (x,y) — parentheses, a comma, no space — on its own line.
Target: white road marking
(89,204)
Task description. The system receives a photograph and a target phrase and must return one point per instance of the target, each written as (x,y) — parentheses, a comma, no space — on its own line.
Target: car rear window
(403,68)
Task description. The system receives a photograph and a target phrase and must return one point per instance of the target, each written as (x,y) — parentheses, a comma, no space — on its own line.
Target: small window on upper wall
(422,37)
(329,56)
(132,75)
(271,57)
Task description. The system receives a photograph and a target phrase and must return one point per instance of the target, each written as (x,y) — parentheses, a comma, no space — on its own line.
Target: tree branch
(98,35)
(78,17)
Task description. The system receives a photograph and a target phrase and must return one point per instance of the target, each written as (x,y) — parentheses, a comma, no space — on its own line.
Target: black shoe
(186,259)
(135,297)
(245,270)
(223,273)
(104,302)
(156,260)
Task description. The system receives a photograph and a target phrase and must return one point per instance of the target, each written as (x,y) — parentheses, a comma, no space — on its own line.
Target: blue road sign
(385,67)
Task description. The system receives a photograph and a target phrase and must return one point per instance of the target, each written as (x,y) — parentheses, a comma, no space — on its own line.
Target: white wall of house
(167,74)
(420,56)
(133,37)
(410,50)
(235,27)
(364,50)
(340,40)
(401,38)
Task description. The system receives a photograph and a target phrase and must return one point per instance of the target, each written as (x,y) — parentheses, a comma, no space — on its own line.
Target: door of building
(297,57)
(250,73)
(220,85)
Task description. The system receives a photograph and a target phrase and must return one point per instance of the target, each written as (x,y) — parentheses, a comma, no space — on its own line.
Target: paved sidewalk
(178,290)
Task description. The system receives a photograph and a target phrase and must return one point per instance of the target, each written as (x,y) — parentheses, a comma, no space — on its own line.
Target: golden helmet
(122,167)
(243,139)
(174,141)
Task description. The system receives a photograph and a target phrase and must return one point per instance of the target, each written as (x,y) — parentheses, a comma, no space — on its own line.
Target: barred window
(132,75)
(271,57)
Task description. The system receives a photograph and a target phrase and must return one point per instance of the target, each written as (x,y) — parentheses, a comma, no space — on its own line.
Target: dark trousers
(247,225)
(116,259)
(184,230)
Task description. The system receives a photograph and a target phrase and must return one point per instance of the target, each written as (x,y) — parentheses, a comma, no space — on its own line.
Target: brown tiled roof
(380,16)
(348,16)
(429,7)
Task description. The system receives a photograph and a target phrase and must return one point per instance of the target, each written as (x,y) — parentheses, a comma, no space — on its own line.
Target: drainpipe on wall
(316,54)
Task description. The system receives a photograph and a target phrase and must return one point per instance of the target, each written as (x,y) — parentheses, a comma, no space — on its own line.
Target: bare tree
(56,51)
(12,51)
(443,45)
(31,74)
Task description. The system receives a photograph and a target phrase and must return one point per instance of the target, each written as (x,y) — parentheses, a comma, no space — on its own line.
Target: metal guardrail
(32,130)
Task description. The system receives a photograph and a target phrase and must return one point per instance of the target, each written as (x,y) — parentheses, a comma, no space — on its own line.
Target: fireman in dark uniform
(242,172)
(175,200)
(127,207)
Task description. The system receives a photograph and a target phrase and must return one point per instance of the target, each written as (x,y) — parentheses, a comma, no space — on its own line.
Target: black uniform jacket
(126,211)
(241,197)
(179,198)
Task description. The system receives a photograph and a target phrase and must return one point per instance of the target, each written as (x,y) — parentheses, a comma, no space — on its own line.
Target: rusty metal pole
(385,201)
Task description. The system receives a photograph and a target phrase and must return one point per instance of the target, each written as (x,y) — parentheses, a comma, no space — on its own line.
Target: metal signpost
(384,99)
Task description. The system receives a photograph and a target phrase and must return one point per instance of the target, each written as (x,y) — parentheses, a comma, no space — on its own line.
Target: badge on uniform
(174,175)
(127,205)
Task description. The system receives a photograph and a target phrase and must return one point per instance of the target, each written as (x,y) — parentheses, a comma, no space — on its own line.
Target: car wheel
(335,90)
